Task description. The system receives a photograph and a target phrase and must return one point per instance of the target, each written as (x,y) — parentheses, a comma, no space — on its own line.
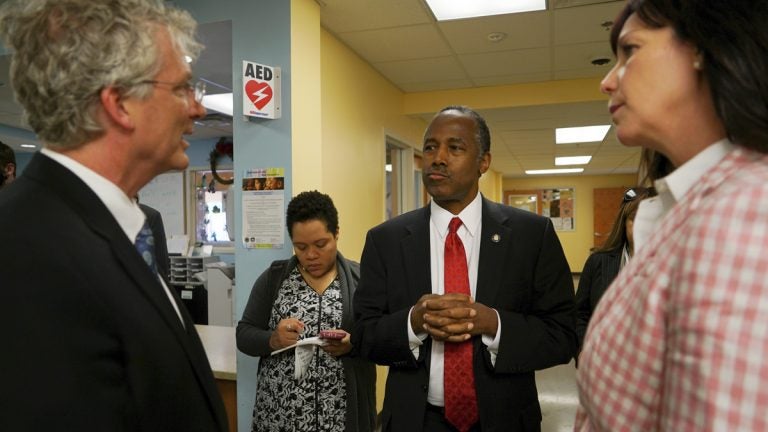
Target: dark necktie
(145,244)
(458,378)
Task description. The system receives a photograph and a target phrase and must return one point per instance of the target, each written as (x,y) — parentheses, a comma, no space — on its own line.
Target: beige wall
(359,108)
(577,243)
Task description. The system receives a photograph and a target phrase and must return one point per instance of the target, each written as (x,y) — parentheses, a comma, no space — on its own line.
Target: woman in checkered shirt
(679,341)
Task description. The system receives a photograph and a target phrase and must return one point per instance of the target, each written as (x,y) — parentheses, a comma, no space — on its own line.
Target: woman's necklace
(319,284)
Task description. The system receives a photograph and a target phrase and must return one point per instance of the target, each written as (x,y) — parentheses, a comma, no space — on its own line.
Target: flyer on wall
(263,204)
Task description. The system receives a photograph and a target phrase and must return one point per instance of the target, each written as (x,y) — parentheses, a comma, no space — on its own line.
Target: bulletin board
(165,193)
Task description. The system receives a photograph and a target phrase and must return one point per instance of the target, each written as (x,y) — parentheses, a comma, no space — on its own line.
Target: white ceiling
(402,40)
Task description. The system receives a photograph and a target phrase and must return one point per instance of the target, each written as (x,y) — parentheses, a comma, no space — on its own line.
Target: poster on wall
(261,90)
(263,208)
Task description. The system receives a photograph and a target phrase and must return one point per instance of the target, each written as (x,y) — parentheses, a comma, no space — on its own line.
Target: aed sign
(261,90)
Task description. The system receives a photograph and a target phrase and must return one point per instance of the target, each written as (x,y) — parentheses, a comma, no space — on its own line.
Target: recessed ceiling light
(581,134)
(453,9)
(555,171)
(496,36)
(28,145)
(221,102)
(572,160)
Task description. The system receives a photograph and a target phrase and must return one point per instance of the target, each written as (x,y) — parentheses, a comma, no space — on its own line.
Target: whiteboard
(165,193)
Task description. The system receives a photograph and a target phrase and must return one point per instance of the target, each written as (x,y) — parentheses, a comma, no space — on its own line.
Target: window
(212,216)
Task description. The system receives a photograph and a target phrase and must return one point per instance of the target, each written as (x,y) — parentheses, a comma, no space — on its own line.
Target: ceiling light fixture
(581,134)
(221,102)
(572,160)
(554,171)
(28,146)
(451,9)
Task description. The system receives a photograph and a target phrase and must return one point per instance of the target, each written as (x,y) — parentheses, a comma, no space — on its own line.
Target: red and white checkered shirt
(680,340)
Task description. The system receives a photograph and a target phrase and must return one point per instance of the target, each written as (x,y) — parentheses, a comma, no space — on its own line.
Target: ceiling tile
(516,62)
(432,85)
(526,30)
(580,56)
(583,24)
(401,43)
(422,70)
(339,16)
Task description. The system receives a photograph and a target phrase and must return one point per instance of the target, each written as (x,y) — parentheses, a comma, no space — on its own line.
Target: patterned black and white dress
(318,401)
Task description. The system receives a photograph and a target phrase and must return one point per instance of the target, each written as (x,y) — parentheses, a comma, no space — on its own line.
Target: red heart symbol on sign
(260,93)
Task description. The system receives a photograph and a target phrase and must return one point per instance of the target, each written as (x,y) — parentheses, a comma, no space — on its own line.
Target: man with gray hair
(93,339)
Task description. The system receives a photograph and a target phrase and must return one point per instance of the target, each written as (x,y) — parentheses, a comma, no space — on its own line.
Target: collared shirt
(124,209)
(470,234)
(678,342)
(672,188)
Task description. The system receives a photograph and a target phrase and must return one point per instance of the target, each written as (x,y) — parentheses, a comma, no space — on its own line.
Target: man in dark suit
(516,318)
(93,339)
(155,222)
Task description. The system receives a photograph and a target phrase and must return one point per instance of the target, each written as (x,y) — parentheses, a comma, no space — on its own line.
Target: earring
(697,65)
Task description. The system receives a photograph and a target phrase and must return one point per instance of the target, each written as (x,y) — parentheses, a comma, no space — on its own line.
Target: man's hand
(453,317)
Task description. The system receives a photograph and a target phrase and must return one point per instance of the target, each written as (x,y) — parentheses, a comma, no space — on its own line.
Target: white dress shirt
(470,234)
(672,188)
(124,209)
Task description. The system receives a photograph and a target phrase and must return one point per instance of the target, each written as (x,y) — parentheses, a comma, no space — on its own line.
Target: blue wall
(260,33)
(198,154)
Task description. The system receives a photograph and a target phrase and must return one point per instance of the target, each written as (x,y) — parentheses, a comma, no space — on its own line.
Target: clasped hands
(289,329)
(453,317)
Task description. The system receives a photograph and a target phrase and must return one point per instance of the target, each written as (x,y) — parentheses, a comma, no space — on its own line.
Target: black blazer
(599,271)
(90,339)
(523,275)
(155,222)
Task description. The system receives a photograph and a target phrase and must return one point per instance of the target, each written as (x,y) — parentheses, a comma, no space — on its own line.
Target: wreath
(224,147)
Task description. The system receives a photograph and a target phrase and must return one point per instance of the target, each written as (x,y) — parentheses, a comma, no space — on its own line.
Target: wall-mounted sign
(261,90)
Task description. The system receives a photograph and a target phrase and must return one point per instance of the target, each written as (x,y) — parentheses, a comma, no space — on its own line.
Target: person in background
(653,166)
(93,339)
(463,299)
(295,299)
(7,165)
(155,222)
(679,342)
(604,263)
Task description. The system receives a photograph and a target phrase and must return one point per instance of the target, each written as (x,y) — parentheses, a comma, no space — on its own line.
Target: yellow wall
(306,140)
(491,185)
(359,108)
(577,243)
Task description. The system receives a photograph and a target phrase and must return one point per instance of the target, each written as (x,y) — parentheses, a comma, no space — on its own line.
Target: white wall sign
(261,90)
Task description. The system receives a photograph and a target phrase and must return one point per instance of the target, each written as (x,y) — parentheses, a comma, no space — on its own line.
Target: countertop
(219,344)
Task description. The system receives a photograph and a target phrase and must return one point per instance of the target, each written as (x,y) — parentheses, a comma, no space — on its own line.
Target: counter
(220,347)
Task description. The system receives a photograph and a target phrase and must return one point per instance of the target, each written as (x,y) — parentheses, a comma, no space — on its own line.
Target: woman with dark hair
(298,298)
(604,263)
(679,342)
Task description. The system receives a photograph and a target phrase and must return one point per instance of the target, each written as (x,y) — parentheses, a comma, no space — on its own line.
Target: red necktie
(458,378)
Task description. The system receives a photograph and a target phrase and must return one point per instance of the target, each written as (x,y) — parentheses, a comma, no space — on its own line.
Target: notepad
(305,350)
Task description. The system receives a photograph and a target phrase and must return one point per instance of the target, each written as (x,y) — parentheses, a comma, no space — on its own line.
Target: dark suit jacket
(523,275)
(599,271)
(155,221)
(90,340)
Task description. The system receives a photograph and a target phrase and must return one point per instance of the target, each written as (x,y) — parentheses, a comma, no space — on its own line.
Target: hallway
(558,397)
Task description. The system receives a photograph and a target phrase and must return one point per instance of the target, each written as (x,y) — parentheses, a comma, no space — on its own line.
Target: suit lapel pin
(495,238)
